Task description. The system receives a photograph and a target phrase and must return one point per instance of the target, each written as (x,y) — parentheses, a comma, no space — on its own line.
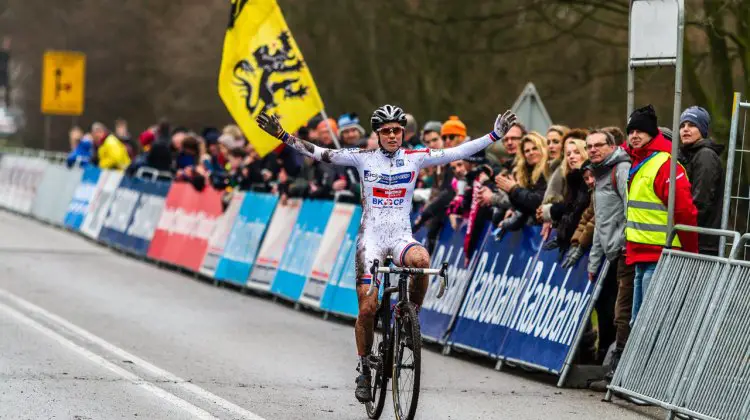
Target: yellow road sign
(63,82)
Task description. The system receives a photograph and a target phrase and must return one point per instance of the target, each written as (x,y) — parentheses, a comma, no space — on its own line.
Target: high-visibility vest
(647,214)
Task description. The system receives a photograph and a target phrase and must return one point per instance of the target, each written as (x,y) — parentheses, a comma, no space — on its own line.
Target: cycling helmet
(386,114)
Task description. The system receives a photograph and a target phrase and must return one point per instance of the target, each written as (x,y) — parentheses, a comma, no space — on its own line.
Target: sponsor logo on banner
(190,223)
(123,204)
(146,217)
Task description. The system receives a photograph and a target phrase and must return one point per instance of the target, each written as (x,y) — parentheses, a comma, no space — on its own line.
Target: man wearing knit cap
(648,194)
(453,132)
(351,132)
(702,161)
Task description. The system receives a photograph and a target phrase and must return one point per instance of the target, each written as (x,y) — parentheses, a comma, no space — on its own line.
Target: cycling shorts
(370,247)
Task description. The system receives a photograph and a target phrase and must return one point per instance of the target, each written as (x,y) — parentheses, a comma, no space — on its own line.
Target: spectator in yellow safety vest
(648,192)
(111,152)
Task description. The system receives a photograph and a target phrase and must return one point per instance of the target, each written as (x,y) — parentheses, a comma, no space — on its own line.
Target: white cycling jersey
(388,181)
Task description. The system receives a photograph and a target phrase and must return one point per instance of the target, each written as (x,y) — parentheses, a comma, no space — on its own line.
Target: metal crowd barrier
(689,351)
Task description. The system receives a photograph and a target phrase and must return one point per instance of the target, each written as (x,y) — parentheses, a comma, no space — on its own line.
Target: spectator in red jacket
(648,192)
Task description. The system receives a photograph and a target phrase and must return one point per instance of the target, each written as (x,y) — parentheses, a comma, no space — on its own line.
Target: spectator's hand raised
(503,123)
(270,124)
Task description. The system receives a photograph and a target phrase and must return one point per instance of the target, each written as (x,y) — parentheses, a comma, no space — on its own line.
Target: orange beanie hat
(453,126)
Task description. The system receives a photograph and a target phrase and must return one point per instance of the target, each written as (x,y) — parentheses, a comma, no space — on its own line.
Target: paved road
(86,333)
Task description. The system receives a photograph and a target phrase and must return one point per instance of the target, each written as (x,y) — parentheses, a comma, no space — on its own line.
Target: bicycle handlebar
(442,272)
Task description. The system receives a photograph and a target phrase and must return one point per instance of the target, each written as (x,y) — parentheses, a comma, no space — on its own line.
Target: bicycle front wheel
(407,360)
(379,363)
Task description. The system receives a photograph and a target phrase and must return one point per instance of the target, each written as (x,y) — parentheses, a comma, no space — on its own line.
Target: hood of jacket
(617,157)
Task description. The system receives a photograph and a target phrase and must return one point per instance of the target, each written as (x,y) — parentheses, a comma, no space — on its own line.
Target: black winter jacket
(568,213)
(702,162)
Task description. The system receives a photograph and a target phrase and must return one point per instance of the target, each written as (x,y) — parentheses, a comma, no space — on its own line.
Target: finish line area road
(86,333)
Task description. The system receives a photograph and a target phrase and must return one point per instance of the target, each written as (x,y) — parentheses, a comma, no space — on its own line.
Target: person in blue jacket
(82,148)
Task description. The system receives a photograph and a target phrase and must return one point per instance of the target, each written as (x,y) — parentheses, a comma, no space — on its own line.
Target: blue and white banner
(327,256)
(436,314)
(245,237)
(132,218)
(340,296)
(79,205)
(521,305)
(220,235)
(100,202)
(302,248)
(274,243)
(551,308)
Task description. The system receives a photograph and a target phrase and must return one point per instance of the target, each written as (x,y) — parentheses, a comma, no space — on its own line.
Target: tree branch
(579,35)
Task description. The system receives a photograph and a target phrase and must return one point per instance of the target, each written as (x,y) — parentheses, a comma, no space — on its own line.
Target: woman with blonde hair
(527,185)
(577,197)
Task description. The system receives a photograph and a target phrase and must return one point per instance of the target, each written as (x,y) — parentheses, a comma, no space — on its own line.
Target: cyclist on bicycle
(388,177)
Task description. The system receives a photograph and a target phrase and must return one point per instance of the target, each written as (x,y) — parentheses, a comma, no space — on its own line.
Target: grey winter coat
(702,163)
(556,186)
(610,208)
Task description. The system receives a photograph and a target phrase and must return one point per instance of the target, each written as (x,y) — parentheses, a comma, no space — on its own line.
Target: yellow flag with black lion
(262,69)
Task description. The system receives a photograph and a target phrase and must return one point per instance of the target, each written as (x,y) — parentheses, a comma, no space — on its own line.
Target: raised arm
(270,124)
(442,156)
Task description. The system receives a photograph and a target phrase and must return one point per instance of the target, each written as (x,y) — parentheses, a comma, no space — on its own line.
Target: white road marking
(124,355)
(133,378)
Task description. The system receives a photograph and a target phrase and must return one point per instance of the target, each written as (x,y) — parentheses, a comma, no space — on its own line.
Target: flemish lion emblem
(261,82)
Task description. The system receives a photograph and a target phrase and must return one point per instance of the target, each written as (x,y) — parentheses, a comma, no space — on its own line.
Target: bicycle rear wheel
(407,362)
(379,365)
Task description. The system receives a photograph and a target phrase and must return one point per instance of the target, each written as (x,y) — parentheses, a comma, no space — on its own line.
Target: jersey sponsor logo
(399,163)
(388,193)
(371,176)
(412,151)
(395,179)
(388,202)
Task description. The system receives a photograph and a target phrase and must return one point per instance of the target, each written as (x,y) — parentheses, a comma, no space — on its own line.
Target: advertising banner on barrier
(323,266)
(80,203)
(521,305)
(340,295)
(25,174)
(245,237)
(47,191)
(551,308)
(185,225)
(220,235)
(70,180)
(273,245)
(301,249)
(100,202)
(134,213)
(494,290)
(54,193)
(436,314)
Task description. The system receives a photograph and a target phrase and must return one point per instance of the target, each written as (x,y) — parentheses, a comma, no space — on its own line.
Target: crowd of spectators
(601,189)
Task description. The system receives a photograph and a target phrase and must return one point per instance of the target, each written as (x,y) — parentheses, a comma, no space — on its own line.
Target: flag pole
(330,129)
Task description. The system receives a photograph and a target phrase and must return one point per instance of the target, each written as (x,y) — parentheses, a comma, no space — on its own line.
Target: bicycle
(396,338)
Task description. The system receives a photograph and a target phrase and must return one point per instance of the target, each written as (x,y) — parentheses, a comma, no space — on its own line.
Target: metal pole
(676,115)
(730,169)
(47,131)
(330,129)
(631,70)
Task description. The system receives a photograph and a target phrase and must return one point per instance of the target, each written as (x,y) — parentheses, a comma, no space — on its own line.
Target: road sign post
(63,85)
(655,39)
